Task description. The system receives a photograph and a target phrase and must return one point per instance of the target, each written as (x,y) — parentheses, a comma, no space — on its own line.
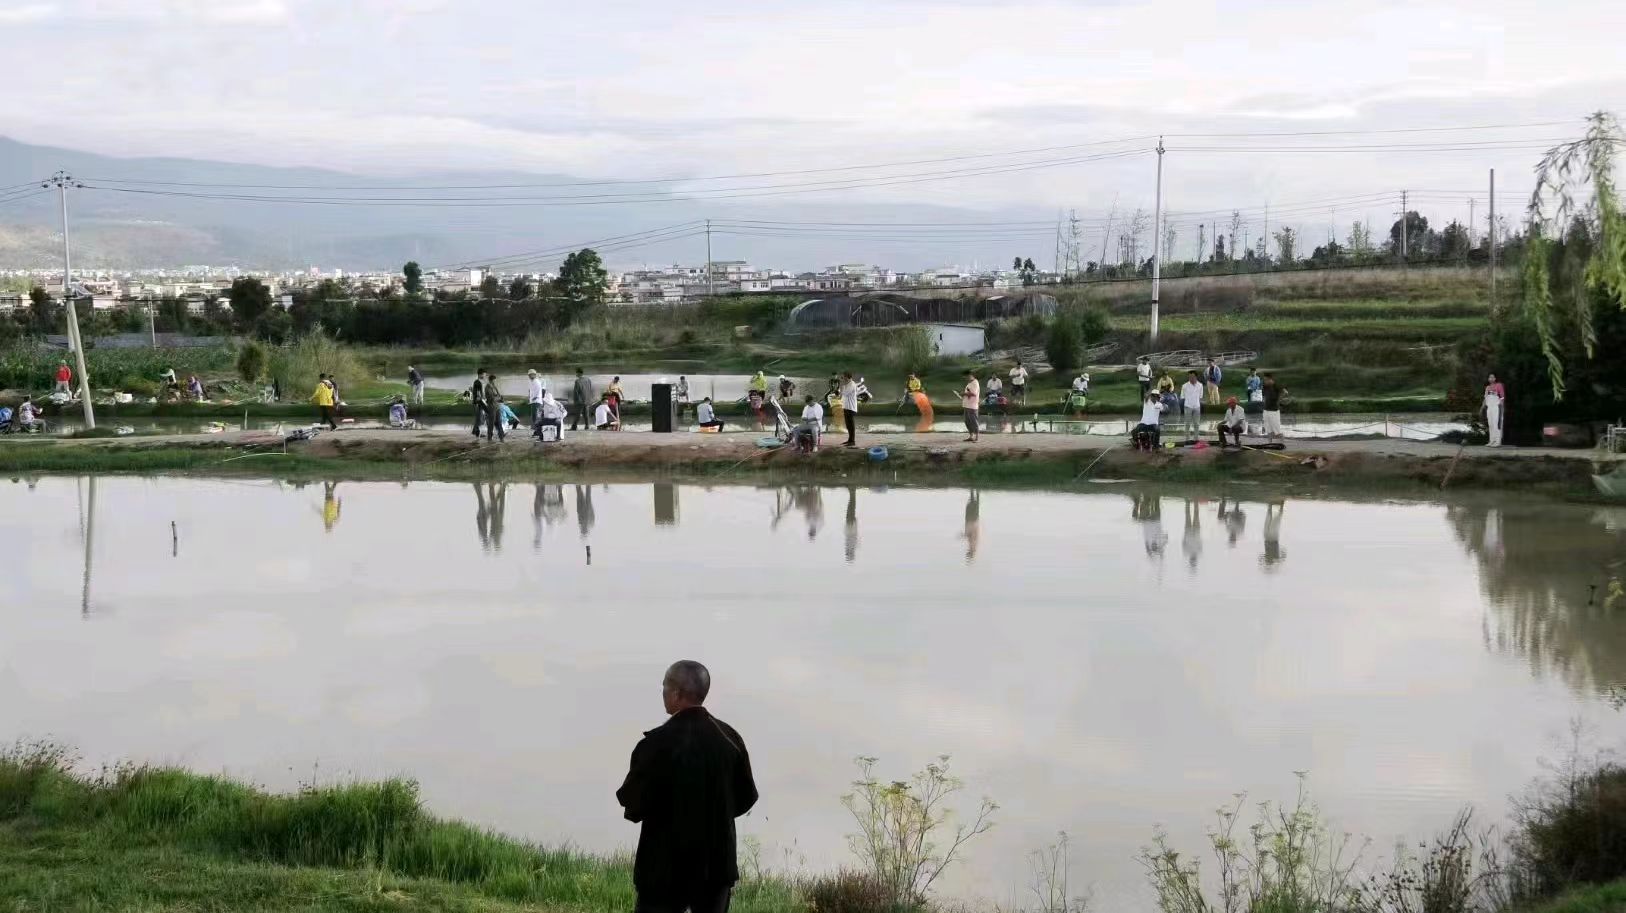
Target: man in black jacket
(689,780)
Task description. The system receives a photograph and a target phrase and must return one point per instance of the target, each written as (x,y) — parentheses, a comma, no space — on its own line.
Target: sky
(637,89)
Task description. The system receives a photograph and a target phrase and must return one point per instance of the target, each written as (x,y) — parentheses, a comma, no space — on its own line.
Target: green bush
(251,362)
(850,892)
(297,366)
(1573,832)
(1064,345)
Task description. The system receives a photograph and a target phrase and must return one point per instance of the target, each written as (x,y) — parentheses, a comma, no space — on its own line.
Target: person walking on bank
(581,398)
(849,407)
(323,398)
(1495,407)
(64,379)
(1213,376)
(970,398)
(1143,373)
(687,782)
(494,409)
(1191,397)
(415,381)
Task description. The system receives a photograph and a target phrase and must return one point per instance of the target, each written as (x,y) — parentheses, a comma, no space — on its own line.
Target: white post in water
(1157,238)
(61,179)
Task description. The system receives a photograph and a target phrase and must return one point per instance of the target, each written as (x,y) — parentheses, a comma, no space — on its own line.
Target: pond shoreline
(998,459)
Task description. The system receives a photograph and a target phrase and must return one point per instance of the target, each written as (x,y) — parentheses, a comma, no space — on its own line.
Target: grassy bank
(141,838)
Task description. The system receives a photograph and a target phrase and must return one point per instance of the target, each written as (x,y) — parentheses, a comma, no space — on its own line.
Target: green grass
(1609,898)
(1375,325)
(144,838)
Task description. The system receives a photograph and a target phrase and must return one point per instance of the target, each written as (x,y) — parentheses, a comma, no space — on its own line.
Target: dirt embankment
(1042,459)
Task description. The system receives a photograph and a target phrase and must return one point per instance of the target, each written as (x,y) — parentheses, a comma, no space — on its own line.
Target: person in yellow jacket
(324,399)
(916,391)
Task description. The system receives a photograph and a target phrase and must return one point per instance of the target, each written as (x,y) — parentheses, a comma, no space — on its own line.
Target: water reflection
(331,506)
(1030,639)
(1273,554)
(1546,578)
(973,524)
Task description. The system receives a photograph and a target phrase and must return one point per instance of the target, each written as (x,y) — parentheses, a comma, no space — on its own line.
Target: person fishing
(1495,406)
(415,381)
(1273,396)
(614,396)
(916,391)
(553,414)
(477,396)
(787,388)
(1234,422)
(1191,398)
(706,415)
(849,408)
(398,412)
(1019,383)
(506,416)
(324,399)
(970,399)
(759,384)
(1213,378)
(682,394)
(1147,434)
(64,378)
(812,425)
(538,387)
(603,417)
(494,420)
(1143,373)
(581,395)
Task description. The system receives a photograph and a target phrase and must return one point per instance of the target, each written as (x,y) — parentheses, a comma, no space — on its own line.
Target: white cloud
(32,12)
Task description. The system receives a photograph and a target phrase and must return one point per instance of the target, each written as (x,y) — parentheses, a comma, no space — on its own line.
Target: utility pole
(1471,223)
(710,289)
(152,324)
(1492,237)
(1201,237)
(1055,263)
(1074,248)
(1404,228)
(1157,238)
(1264,237)
(1111,213)
(61,180)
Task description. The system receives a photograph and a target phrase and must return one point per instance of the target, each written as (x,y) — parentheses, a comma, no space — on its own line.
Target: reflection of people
(1192,542)
(330,505)
(849,530)
(687,782)
(1148,511)
(1233,518)
(973,524)
(1273,554)
(584,510)
(810,501)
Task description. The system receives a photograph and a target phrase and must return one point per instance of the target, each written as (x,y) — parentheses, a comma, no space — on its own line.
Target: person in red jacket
(64,378)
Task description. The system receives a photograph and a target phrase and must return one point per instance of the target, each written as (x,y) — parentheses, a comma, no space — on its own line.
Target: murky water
(1098,662)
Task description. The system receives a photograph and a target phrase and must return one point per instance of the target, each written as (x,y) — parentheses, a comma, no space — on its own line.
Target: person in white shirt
(812,422)
(1143,371)
(849,407)
(1191,397)
(539,388)
(682,393)
(1151,419)
(1019,383)
(602,419)
(1235,421)
(707,415)
(970,397)
(552,412)
(1081,383)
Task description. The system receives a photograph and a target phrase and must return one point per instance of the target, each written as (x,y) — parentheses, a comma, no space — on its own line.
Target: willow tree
(1575,180)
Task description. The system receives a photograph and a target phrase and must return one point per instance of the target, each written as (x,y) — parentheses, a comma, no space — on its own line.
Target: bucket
(877,454)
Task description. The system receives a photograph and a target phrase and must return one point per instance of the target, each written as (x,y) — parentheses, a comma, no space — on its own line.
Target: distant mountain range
(121,229)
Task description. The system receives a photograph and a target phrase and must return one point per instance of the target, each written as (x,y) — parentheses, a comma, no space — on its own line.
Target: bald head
(686,685)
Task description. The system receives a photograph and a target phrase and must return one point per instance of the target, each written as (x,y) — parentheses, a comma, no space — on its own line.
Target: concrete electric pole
(61,180)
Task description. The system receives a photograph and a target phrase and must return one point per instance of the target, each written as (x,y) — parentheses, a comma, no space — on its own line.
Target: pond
(1096,662)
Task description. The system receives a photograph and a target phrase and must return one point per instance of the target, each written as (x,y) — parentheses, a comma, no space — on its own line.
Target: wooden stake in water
(174,540)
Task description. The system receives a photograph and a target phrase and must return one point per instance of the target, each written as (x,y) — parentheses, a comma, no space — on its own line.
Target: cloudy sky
(639,88)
